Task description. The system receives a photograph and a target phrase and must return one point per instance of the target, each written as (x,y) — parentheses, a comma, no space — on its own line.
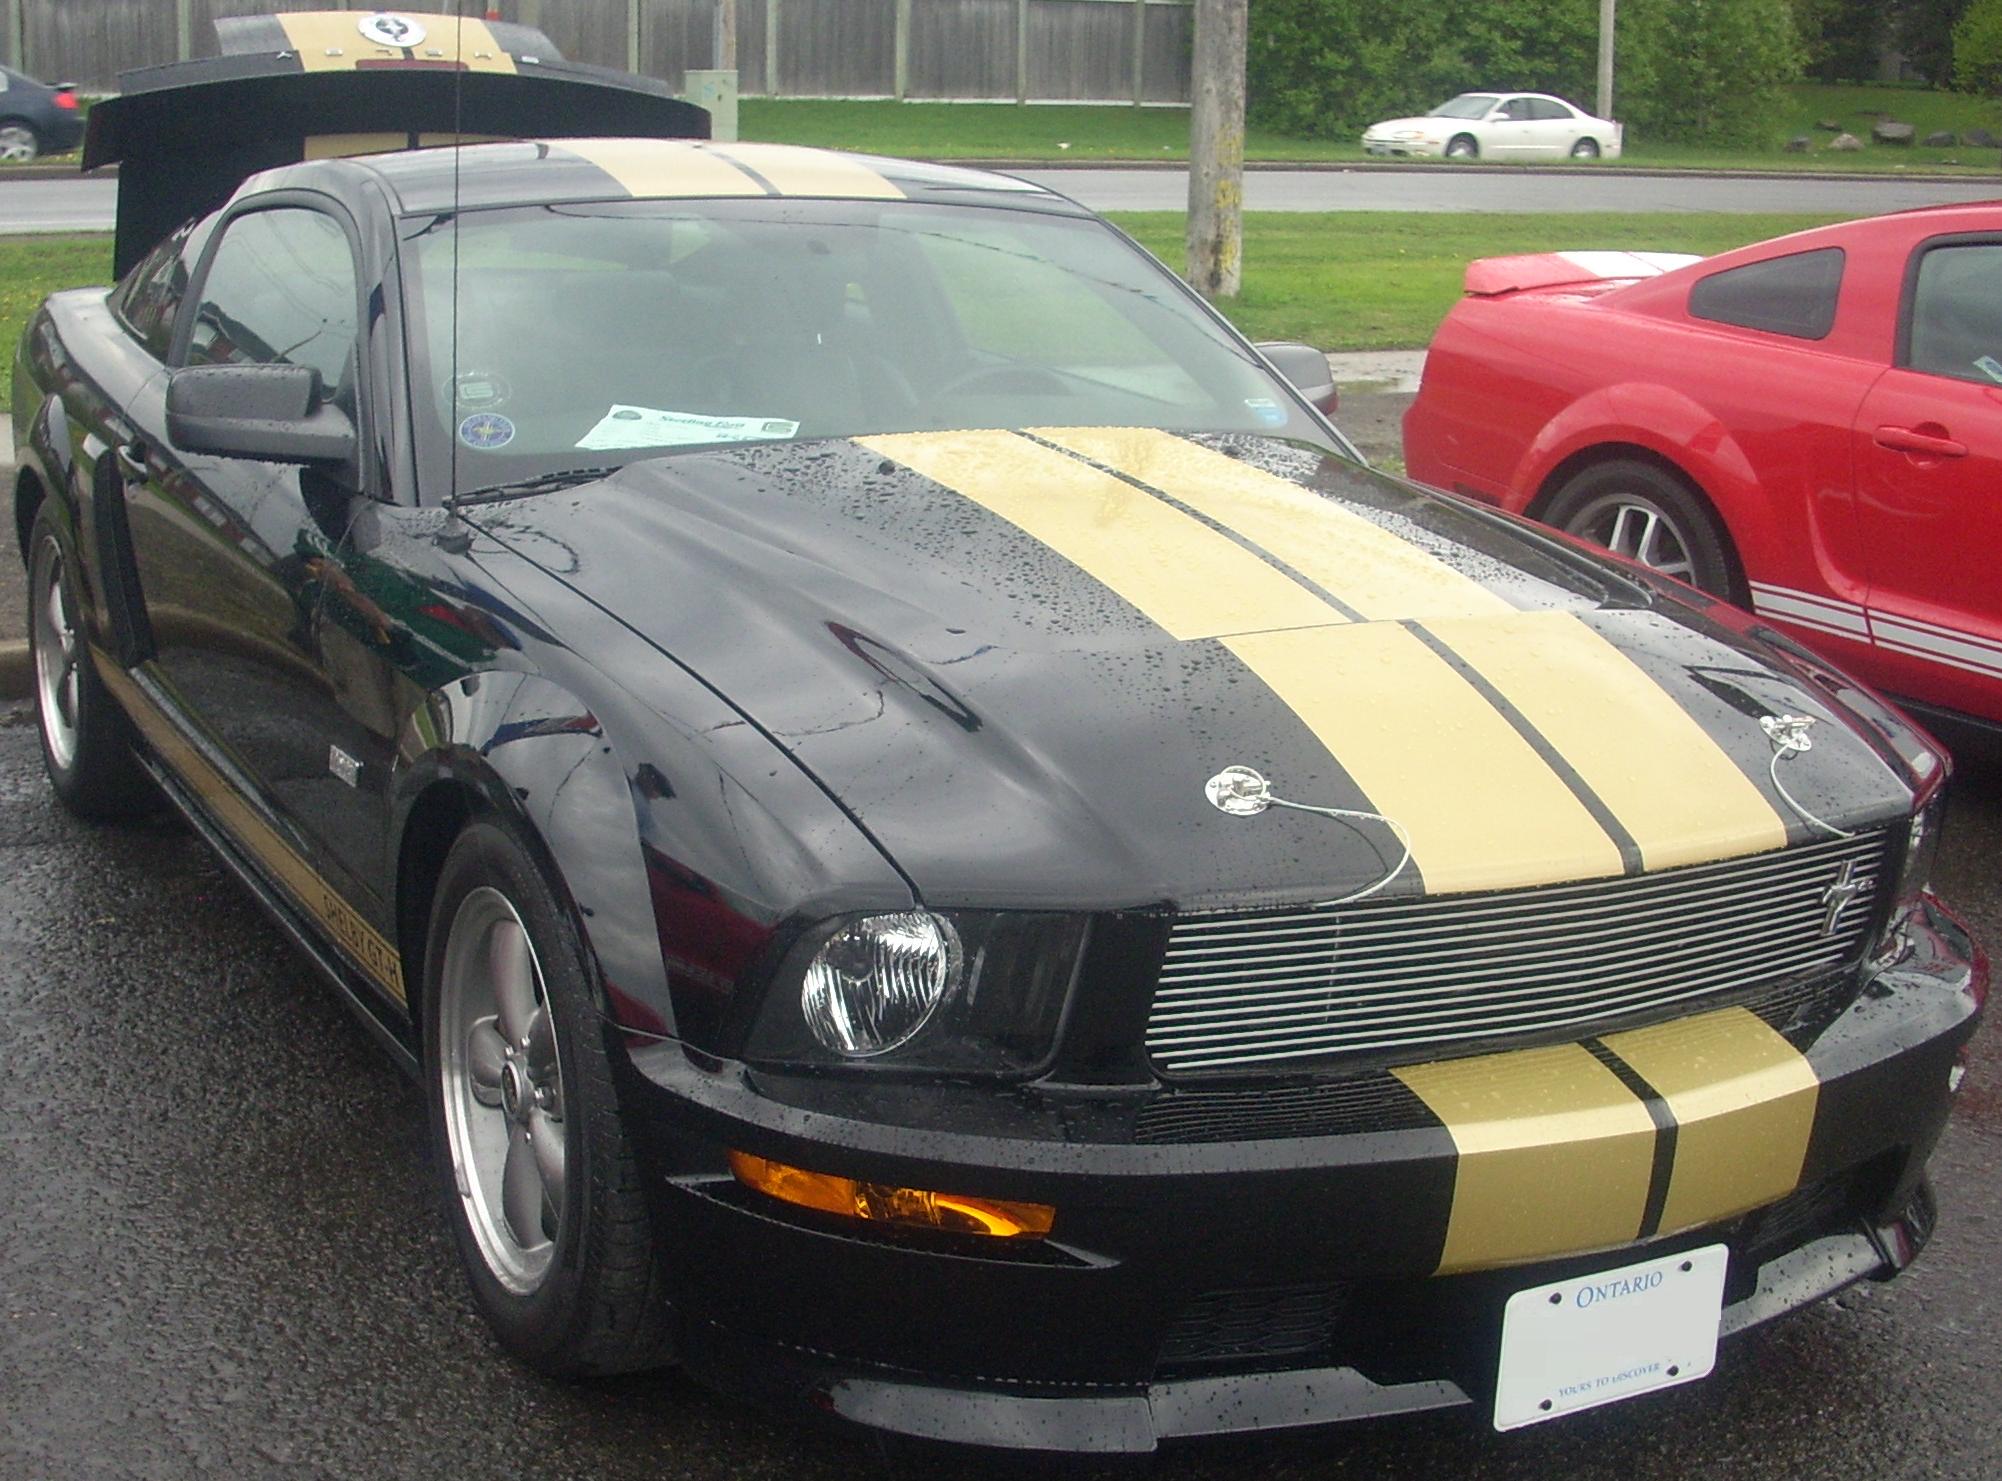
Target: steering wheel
(1021,380)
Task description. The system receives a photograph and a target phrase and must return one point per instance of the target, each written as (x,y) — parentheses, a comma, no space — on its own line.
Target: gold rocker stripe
(655,169)
(1555,1154)
(331,41)
(1193,581)
(341,921)
(1744,1101)
(1670,786)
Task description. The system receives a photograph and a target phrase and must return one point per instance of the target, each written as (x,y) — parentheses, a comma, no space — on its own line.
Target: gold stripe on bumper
(1744,1101)
(1555,1154)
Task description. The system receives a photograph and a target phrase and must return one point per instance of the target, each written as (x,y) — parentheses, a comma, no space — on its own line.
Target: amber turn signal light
(999,1218)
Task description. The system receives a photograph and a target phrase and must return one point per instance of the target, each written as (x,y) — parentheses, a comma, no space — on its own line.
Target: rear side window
(1549,111)
(1792,295)
(147,302)
(1956,313)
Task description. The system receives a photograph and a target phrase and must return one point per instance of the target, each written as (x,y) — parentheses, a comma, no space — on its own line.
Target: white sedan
(1516,126)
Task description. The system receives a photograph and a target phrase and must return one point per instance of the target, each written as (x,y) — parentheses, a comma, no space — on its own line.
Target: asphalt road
(223,1258)
(77,204)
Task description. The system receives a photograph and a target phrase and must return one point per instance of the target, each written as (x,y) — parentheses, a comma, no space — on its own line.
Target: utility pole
(1606,8)
(726,35)
(1216,149)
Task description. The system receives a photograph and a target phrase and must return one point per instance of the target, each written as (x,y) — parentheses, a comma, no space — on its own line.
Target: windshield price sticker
(1577,1344)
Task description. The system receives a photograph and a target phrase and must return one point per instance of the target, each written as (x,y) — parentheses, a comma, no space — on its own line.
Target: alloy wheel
(1638,528)
(59,681)
(503,1090)
(18,144)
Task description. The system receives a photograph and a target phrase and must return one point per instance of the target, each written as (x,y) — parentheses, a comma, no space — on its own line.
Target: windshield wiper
(542,483)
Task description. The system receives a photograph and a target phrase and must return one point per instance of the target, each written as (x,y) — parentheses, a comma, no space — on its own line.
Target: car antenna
(458,150)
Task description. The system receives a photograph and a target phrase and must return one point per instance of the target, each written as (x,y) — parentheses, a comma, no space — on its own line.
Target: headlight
(1921,849)
(877,980)
(922,991)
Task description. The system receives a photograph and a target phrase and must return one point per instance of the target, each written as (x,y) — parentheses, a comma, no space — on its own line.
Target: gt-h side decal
(1561,1150)
(1303,592)
(1890,631)
(343,924)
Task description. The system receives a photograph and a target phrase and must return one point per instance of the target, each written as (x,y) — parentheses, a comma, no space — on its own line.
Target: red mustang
(1810,426)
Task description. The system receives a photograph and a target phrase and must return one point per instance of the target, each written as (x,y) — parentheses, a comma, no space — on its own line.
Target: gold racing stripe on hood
(662,169)
(1390,711)
(1555,1154)
(1192,580)
(331,41)
(1675,790)
(1366,566)
(1484,811)
(794,170)
(1744,1101)
(1678,795)
(372,951)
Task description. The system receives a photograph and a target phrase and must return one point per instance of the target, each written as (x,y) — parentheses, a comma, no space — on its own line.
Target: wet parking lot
(221,1256)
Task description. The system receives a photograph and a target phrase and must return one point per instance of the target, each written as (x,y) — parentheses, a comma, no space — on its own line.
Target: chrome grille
(1395,975)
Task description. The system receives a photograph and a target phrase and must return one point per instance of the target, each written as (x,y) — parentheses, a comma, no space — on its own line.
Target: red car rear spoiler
(292,87)
(1490,276)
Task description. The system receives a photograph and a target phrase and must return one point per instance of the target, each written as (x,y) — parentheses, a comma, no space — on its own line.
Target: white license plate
(1577,1344)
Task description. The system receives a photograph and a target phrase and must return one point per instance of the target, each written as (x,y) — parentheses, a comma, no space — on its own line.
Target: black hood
(1017,659)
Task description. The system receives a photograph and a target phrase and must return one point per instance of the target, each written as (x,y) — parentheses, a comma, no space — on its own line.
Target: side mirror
(273,413)
(1306,370)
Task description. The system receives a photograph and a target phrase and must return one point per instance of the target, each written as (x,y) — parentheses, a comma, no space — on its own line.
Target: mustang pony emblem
(1837,896)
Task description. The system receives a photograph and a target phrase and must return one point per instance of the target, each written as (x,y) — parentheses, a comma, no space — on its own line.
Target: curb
(16,669)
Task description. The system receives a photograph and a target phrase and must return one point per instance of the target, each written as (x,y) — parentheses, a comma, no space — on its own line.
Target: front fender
(691,849)
(1657,418)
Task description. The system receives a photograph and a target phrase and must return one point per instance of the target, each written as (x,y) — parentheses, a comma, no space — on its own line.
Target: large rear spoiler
(292,87)
(1490,276)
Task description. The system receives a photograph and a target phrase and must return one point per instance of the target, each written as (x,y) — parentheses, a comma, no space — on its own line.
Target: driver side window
(1956,313)
(281,291)
(1515,110)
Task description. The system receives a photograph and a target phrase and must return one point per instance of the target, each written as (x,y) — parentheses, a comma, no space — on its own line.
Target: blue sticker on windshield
(486,430)
(1266,410)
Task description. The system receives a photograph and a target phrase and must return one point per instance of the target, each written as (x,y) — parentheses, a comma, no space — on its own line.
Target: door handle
(1921,441)
(132,461)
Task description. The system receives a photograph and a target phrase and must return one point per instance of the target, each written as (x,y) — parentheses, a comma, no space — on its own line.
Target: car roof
(541,172)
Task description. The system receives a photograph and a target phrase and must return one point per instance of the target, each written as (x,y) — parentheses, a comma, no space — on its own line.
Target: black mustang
(941,845)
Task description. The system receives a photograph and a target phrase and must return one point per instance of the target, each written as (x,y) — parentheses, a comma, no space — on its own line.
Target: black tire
(1611,504)
(1585,149)
(87,741)
(1463,146)
(599,1306)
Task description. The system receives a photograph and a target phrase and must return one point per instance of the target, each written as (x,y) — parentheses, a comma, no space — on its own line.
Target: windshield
(590,336)
(1467,105)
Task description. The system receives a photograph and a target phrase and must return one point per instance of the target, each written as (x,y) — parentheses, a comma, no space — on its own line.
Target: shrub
(1685,69)
(1977,49)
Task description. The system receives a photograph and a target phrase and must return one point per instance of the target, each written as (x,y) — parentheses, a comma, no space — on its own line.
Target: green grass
(1357,280)
(31,268)
(1366,280)
(1074,132)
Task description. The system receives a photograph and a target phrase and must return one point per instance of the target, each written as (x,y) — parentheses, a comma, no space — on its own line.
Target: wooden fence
(1132,51)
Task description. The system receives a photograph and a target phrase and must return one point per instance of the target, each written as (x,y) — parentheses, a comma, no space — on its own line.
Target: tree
(1841,38)
(1710,70)
(1977,49)
(1923,31)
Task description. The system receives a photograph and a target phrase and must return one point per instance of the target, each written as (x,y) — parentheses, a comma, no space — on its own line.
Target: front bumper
(1402,148)
(1199,1286)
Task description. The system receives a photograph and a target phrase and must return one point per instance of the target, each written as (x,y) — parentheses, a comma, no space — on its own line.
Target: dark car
(36,119)
(945,853)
